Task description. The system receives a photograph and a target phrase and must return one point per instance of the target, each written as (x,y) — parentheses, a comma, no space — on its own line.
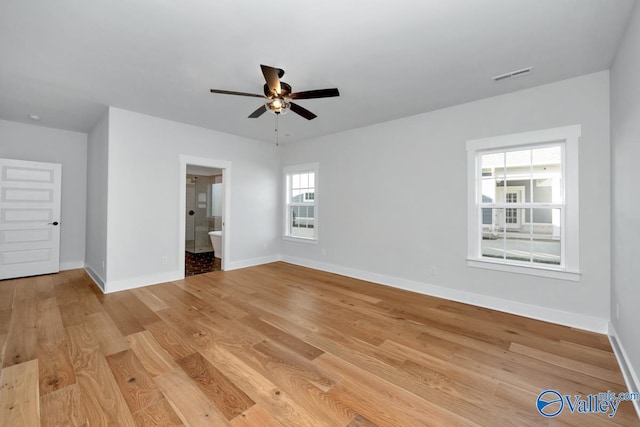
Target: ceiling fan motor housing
(285,90)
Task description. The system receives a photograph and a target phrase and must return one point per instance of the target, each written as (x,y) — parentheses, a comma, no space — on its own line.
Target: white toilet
(216,241)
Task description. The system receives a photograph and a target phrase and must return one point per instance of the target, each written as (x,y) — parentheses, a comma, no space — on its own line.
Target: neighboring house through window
(301,220)
(523,203)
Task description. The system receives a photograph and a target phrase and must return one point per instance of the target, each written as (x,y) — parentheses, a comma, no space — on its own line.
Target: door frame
(206,162)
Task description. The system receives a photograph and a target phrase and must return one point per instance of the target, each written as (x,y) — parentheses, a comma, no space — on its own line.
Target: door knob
(191,213)
(53,223)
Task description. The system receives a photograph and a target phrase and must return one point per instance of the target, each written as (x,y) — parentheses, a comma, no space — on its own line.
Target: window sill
(305,240)
(573,276)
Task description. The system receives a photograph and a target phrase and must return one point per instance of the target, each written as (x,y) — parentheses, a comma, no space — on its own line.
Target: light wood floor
(282,345)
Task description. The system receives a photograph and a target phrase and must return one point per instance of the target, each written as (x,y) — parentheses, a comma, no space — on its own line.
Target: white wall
(97,184)
(143,196)
(625,158)
(41,144)
(392,201)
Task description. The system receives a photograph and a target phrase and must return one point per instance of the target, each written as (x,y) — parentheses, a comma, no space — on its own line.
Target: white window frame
(570,226)
(298,169)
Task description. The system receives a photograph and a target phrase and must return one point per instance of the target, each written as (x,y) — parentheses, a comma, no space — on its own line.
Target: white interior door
(29,218)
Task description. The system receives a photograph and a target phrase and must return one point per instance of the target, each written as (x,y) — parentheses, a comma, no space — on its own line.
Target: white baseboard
(139,281)
(565,318)
(234,265)
(152,279)
(71,265)
(95,277)
(628,372)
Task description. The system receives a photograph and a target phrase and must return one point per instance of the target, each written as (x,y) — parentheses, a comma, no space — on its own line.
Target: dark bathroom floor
(200,263)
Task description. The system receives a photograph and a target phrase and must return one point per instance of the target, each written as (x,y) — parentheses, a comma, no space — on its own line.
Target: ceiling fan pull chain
(277,134)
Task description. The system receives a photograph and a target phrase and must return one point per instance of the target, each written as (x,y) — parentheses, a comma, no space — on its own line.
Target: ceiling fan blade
(231,92)
(272,77)
(260,111)
(319,93)
(302,111)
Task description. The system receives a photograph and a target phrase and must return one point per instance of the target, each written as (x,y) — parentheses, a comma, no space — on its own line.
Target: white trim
(541,271)
(234,265)
(631,378)
(566,318)
(225,165)
(570,241)
(140,281)
(300,240)
(96,278)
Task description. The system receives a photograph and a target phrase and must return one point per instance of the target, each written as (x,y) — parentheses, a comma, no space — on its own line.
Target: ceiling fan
(278,95)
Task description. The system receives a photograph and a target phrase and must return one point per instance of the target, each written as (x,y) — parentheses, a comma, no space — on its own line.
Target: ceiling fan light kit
(278,95)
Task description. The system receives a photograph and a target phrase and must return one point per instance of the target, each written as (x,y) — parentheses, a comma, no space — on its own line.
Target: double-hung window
(523,203)
(301,217)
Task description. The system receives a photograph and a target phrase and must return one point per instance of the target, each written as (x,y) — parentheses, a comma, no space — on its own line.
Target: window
(523,210)
(301,202)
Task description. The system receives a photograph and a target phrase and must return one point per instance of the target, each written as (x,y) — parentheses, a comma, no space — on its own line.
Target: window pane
(518,166)
(492,244)
(302,222)
(492,177)
(547,174)
(304,180)
(545,240)
(297,196)
(507,237)
(312,179)
(488,190)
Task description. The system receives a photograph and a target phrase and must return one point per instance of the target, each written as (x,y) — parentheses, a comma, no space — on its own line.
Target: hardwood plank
(5,320)
(191,404)
(360,421)
(363,393)
(22,339)
(7,288)
(291,342)
(228,398)
(153,357)
(264,392)
(49,323)
(594,371)
(106,333)
(126,322)
(159,414)
(100,395)
(62,408)
(143,314)
(55,368)
(3,341)
(149,299)
(136,385)
(72,314)
(171,340)
(19,401)
(255,416)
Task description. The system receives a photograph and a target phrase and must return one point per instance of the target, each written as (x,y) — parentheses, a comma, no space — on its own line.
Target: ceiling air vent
(512,74)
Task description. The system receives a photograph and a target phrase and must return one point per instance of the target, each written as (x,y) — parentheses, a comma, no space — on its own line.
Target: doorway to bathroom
(204,202)
(203,227)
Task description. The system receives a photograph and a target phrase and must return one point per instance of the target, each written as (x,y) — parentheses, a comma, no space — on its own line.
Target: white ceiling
(66,60)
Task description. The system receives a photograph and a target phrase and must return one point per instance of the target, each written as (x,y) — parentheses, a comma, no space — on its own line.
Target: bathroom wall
(392,202)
